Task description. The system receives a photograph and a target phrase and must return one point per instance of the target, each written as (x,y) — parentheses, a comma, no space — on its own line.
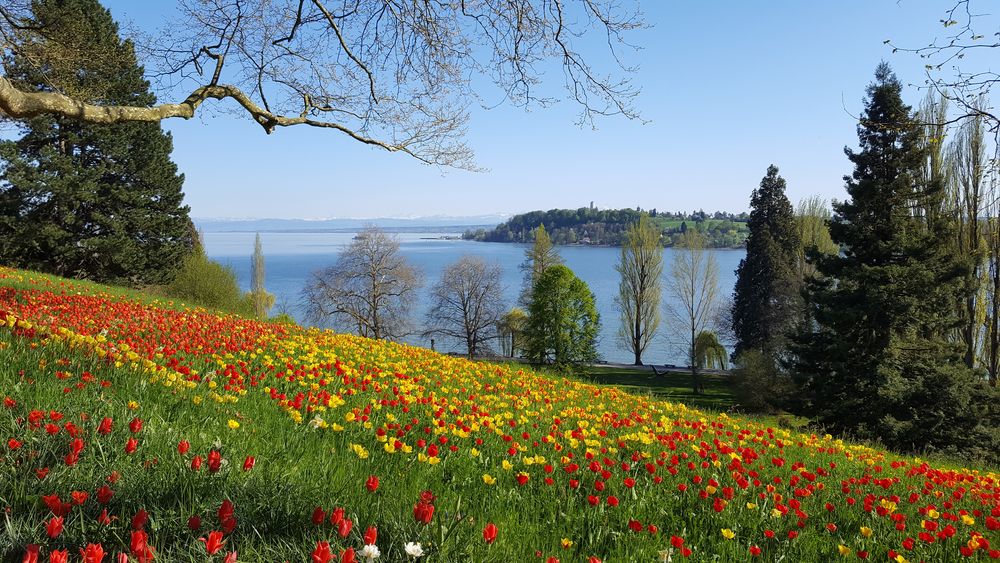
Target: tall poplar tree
(260,298)
(877,361)
(102,202)
(640,286)
(765,299)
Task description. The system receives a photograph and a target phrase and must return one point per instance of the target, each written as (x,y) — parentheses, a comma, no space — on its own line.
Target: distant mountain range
(399,224)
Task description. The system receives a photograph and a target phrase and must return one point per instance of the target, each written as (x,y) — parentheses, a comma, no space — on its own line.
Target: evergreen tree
(102,202)
(877,362)
(562,320)
(766,293)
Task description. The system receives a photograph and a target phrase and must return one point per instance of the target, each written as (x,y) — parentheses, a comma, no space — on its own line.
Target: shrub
(204,282)
(760,386)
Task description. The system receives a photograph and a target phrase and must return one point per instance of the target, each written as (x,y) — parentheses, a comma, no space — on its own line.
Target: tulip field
(141,430)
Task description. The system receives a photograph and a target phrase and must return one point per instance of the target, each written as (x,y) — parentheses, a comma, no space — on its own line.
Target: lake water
(291,257)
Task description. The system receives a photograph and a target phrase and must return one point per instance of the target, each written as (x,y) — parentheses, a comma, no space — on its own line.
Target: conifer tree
(766,293)
(102,202)
(878,363)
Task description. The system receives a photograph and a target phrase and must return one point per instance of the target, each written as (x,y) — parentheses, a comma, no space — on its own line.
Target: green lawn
(673,386)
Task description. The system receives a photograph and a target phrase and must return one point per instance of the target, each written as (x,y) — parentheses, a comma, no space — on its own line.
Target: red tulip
(336,516)
(183,446)
(371,484)
(194,523)
(248,463)
(371,535)
(347,556)
(104,428)
(490,533)
(754,550)
(214,461)
(230,557)
(140,547)
(423,512)
(318,516)
(228,525)
(226,510)
(196,463)
(135,425)
(104,494)
(322,553)
(14,444)
(57,556)
(30,553)
(54,527)
(103,517)
(344,528)
(131,445)
(213,543)
(93,553)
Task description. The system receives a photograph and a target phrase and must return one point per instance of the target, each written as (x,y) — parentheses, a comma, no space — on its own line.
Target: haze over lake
(292,256)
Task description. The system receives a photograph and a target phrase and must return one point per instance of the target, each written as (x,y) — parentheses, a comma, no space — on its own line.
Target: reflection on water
(291,257)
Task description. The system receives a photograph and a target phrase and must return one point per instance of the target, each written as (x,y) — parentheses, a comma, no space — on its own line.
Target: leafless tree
(969,38)
(394,74)
(467,304)
(369,290)
(693,283)
(640,271)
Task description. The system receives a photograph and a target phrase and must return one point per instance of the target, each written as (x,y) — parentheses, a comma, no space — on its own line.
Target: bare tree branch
(398,75)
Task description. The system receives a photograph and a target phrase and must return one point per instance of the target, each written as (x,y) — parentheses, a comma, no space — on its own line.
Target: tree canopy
(85,199)
(878,362)
(765,298)
(562,319)
(394,75)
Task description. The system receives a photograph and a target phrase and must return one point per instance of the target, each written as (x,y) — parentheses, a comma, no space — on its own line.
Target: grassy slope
(299,468)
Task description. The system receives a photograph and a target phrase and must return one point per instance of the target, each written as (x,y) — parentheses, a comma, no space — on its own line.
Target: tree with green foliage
(766,298)
(541,256)
(84,200)
(562,319)
(205,282)
(640,270)
(261,299)
(709,353)
(694,286)
(510,330)
(812,217)
(877,361)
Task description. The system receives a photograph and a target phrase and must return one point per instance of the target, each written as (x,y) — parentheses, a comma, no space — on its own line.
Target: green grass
(300,467)
(672,386)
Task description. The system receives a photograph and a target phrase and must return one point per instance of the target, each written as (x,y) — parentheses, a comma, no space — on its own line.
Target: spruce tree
(878,362)
(766,294)
(102,202)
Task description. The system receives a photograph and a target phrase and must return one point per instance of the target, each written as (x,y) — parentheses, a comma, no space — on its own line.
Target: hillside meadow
(137,429)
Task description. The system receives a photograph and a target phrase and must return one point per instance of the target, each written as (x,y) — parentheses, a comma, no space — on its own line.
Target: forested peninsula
(606,227)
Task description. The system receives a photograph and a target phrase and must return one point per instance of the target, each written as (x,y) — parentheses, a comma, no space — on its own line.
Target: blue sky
(728,87)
